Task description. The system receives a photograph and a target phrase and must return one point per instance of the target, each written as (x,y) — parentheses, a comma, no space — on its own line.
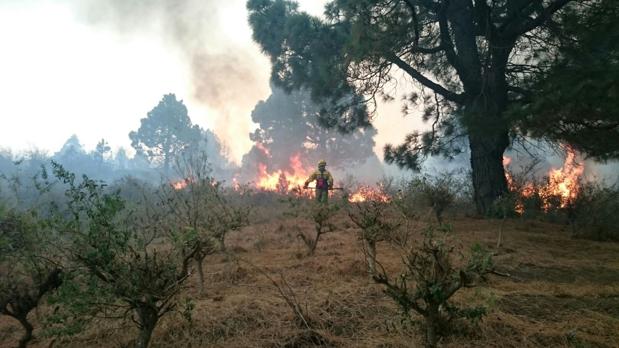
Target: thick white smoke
(228,74)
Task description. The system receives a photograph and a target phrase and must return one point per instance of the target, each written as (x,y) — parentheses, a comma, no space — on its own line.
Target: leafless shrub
(309,334)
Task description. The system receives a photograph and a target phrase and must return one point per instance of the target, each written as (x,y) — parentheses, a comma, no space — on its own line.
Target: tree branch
(411,6)
(514,28)
(416,48)
(414,73)
(446,42)
(426,50)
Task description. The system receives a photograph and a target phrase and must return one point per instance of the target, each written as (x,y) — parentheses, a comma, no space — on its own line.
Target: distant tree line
(164,135)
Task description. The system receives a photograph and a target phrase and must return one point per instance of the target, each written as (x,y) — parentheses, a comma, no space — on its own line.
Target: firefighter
(324,182)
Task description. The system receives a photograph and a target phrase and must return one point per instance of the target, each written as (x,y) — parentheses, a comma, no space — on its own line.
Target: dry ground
(562,293)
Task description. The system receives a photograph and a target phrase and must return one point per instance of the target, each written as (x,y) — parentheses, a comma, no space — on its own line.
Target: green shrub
(29,268)
(436,192)
(115,264)
(429,281)
(376,224)
(594,212)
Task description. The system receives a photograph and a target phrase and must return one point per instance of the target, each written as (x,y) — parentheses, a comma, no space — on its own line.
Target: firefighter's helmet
(322,163)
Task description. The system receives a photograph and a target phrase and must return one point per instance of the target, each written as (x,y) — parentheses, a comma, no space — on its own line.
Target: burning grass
(560,189)
(291,179)
(564,196)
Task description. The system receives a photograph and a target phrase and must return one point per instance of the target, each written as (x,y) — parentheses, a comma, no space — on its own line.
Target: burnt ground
(561,292)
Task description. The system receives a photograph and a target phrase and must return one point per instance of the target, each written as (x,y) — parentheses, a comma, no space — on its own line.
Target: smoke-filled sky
(95,68)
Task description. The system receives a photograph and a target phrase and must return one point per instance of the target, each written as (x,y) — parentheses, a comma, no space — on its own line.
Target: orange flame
(367,193)
(236,185)
(286,181)
(511,184)
(180,184)
(563,183)
(510,181)
(282,181)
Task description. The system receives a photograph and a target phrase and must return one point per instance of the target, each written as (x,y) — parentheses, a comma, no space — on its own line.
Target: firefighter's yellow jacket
(320,175)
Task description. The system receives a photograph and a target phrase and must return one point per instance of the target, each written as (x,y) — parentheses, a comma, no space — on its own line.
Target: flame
(184,183)
(286,181)
(528,190)
(512,186)
(510,181)
(367,193)
(236,185)
(562,184)
(282,181)
(180,184)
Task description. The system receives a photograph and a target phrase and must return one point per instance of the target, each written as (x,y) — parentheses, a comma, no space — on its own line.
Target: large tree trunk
(489,182)
(489,131)
(484,81)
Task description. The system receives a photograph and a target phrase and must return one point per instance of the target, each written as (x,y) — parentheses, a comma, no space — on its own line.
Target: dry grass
(562,293)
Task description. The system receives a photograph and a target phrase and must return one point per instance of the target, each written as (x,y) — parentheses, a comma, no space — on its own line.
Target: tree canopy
(576,100)
(165,132)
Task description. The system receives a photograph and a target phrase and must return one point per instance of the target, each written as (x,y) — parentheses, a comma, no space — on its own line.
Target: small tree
(303,320)
(112,247)
(188,208)
(375,225)
(438,192)
(321,214)
(202,213)
(430,280)
(227,216)
(27,269)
